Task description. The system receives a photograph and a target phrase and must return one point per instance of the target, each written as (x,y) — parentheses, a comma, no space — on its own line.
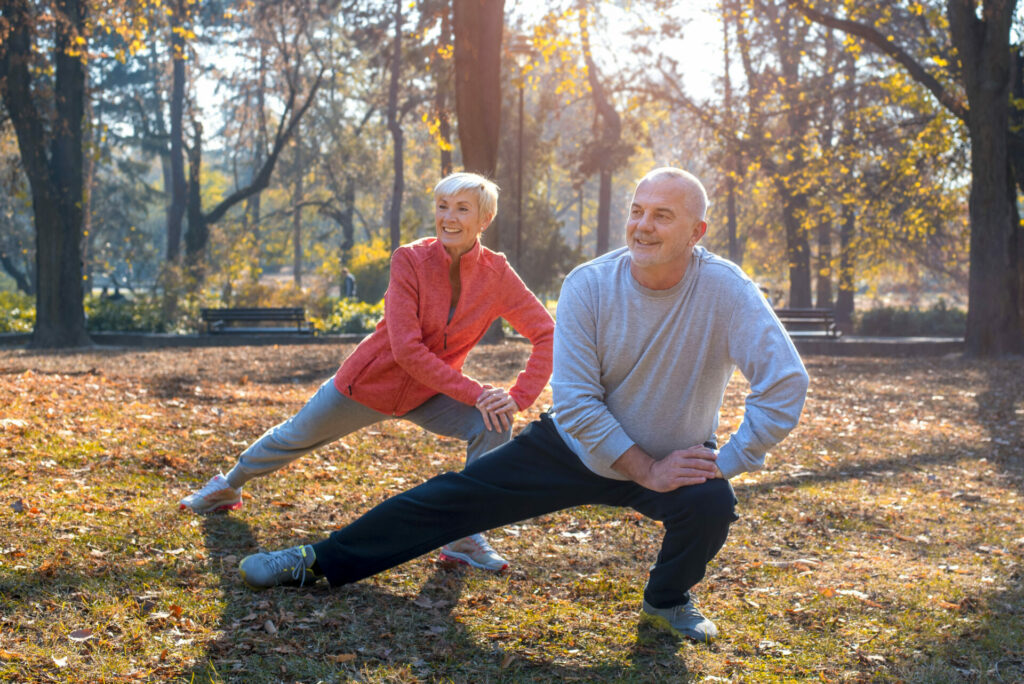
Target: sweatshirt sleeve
(530,319)
(579,396)
(762,350)
(405,332)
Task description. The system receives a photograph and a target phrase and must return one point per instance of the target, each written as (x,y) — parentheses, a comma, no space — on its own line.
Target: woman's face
(458,221)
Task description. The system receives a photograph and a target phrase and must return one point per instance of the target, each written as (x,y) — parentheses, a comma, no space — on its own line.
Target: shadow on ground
(344,634)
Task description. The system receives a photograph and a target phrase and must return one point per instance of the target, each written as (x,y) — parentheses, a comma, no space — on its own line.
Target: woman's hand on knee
(497,407)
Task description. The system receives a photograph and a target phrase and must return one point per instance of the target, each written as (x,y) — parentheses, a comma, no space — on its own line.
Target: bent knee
(717,501)
(713,501)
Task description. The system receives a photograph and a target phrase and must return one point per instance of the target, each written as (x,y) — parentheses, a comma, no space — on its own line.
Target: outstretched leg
(535,473)
(329,415)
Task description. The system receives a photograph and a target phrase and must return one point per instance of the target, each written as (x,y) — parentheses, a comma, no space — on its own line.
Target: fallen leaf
(282,504)
(80,634)
(11,655)
(18,506)
(507,660)
(59,662)
(341,658)
(270,627)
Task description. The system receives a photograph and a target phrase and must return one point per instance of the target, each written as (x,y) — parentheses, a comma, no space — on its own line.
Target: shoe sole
(223,507)
(663,623)
(463,559)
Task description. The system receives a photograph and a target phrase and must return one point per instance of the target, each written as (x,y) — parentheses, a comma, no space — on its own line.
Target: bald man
(646,339)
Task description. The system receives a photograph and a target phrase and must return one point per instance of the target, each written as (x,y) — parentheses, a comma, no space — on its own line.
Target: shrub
(347,316)
(371,266)
(938,321)
(140,313)
(17,312)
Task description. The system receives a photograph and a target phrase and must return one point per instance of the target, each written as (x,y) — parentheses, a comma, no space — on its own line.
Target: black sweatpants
(534,474)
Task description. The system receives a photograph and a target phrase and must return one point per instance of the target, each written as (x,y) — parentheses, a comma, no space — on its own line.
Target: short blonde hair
(486,191)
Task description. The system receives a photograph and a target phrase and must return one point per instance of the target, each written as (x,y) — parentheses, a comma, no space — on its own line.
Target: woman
(443,295)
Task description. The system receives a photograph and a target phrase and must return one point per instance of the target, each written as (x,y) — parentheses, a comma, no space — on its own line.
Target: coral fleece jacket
(416,352)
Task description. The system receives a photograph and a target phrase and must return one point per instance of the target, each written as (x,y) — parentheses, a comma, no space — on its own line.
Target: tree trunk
(198,233)
(477,25)
(297,221)
(176,199)
(798,253)
(609,135)
(604,210)
(847,273)
(397,135)
(56,182)
(442,73)
(823,298)
(995,319)
(732,161)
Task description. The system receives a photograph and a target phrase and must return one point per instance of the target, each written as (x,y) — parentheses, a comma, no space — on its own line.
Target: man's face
(662,228)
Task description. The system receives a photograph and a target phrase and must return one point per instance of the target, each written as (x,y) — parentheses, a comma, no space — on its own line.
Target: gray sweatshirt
(650,367)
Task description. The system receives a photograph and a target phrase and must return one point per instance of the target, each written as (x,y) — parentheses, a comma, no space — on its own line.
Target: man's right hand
(681,468)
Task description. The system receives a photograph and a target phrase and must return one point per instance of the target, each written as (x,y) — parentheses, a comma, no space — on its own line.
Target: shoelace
(214,485)
(293,558)
(484,545)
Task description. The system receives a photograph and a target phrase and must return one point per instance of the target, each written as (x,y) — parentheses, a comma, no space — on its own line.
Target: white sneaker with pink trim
(473,550)
(216,495)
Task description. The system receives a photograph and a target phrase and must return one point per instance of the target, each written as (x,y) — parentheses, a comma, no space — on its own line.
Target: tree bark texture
(608,138)
(297,220)
(477,26)
(56,181)
(176,197)
(397,135)
(995,319)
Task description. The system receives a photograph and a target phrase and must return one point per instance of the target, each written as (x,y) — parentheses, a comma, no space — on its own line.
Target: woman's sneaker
(473,550)
(216,495)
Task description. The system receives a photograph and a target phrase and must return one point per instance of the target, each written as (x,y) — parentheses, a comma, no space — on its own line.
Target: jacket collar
(469,259)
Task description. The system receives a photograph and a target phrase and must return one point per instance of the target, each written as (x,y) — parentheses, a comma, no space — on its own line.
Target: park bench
(223,320)
(809,322)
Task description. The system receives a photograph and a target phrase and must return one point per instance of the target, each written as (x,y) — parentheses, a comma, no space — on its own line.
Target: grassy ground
(882,543)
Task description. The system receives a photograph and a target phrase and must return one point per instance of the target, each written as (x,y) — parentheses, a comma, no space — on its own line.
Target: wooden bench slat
(809,322)
(217,320)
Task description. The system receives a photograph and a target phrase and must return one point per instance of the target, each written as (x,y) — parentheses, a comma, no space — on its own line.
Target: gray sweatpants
(329,415)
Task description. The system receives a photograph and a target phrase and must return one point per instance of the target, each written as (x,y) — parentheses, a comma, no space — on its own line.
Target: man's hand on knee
(681,468)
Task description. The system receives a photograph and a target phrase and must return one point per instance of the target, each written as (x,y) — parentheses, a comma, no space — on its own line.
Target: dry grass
(883,542)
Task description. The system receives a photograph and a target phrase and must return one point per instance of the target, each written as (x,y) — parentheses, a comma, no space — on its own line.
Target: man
(349,283)
(646,339)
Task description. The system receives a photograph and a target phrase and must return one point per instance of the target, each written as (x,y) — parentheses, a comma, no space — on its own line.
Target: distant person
(647,338)
(348,284)
(443,295)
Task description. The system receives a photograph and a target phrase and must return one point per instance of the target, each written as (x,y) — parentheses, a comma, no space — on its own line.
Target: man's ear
(698,232)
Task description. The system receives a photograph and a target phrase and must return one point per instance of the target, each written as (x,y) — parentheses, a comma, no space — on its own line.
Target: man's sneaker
(684,620)
(290,567)
(473,550)
(216,495)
